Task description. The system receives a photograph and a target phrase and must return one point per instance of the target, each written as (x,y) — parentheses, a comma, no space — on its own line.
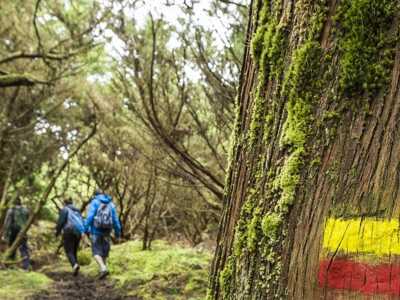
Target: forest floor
(68,287)
(166,272)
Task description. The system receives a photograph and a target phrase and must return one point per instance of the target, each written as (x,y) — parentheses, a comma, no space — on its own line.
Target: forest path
(69,287)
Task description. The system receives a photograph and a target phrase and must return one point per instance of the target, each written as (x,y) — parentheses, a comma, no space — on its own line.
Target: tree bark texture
(312,192)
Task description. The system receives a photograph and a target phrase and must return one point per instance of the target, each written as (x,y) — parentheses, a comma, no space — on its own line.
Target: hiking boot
(76,269)
(103,274)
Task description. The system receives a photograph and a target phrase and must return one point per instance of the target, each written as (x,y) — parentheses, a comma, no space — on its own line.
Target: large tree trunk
(311,197)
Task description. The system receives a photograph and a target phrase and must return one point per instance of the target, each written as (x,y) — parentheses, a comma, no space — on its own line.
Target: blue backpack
(75,221)
(103,218)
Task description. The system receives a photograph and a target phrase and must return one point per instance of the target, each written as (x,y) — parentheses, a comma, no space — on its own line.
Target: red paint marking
(360,277)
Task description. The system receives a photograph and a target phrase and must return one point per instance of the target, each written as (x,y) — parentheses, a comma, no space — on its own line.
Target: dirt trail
(68,287)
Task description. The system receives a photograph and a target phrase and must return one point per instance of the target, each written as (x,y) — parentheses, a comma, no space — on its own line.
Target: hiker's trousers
(23,250)
(100,245)
(71,245)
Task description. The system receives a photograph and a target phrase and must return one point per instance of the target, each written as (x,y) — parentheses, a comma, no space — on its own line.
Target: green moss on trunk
(300,75)
(366,45)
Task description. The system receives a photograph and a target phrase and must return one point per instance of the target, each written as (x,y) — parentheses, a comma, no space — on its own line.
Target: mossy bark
(11,80)
(316,135)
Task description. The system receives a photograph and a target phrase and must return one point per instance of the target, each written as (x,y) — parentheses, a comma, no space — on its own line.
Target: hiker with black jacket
(16,218)
(70,223)
(101,219)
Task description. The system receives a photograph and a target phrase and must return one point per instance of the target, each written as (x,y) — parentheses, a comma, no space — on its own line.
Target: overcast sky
(172,14)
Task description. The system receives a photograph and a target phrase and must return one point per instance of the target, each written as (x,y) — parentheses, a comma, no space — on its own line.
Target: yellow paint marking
(369,235)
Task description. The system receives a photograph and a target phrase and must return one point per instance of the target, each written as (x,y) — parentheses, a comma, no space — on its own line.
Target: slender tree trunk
(312,192)
(148,206)
(145,234)
(4,200)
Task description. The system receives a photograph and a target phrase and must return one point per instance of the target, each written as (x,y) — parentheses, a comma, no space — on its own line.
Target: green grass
(165,272)
(18,284)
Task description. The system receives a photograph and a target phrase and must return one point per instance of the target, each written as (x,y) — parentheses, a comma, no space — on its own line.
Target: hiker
(16,218)
(101,219)
(70,222)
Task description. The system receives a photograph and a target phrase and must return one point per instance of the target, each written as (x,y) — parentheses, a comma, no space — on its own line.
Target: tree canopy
(95,95)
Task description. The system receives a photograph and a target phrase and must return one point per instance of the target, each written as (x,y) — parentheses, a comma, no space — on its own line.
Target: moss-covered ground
(18,284)
(165,272)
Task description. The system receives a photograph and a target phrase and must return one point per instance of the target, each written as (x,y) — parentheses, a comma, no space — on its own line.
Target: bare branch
(233,3)
(49,56)
(10,80)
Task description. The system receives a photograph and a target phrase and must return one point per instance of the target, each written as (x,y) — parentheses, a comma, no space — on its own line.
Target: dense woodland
(91,98)
(116,95)
(264,130)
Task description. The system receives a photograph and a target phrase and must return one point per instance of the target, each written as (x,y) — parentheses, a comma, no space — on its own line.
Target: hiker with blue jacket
(101,219)
(70,223)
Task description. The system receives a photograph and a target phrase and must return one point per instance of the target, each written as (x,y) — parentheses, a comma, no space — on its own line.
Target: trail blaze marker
(361,255)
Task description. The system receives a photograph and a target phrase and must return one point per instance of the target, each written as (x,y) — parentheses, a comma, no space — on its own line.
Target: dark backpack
(19,217)
(103,218)
(74,221)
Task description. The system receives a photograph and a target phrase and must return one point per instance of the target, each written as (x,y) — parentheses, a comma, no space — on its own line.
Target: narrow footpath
(68,287)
